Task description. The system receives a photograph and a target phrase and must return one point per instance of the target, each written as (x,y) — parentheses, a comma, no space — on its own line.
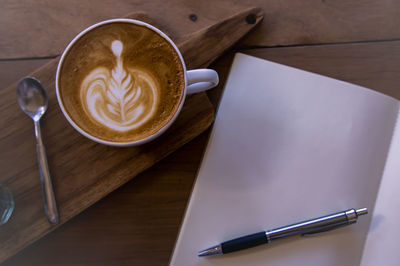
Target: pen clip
(325,228)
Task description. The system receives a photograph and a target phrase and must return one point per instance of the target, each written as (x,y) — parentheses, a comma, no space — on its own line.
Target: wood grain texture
(10,71)
(219,37)
(38,28)
(83,171)
(135,225)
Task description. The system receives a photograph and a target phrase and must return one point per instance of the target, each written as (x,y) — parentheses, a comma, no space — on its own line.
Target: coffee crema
(121,82)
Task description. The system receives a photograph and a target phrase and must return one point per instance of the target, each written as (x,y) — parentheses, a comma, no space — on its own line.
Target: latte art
(121,98)
(120,82)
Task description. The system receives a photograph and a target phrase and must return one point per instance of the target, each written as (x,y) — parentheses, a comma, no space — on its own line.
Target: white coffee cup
(195,81)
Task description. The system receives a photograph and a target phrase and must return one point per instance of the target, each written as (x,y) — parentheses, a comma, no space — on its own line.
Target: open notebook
(289,145)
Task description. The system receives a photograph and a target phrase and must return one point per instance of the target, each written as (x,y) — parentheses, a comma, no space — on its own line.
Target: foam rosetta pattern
(122,98)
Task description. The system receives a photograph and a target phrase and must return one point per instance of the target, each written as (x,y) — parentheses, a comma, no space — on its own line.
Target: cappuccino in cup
(122,82)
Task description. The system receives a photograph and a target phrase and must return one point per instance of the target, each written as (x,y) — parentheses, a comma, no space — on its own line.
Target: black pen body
(244,242)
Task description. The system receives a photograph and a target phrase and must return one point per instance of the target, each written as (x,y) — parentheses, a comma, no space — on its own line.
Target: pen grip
(244,242)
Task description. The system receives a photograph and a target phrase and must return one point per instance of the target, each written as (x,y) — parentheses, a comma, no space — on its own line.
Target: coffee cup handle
(201,79)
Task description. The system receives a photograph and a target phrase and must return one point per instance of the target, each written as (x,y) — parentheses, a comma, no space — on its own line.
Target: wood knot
(193,17)
(251,19)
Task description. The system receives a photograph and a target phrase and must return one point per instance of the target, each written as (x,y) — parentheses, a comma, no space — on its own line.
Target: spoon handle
(50,206)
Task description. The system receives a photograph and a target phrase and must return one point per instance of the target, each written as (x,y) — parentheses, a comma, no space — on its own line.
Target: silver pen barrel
(317,225)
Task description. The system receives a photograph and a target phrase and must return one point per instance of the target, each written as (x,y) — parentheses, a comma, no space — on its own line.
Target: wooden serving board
(84,171)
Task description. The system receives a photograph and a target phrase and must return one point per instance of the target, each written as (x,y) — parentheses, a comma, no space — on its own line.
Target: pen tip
(215,250)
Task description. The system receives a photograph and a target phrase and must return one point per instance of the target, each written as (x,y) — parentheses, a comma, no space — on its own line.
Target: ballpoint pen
(312,226)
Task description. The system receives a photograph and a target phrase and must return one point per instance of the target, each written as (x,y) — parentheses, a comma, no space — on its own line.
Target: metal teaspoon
(32,98)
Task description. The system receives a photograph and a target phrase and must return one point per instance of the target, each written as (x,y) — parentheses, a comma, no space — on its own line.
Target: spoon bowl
(32,98)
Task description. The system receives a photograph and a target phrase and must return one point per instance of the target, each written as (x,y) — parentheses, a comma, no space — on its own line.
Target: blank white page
(382,245)
(287,145)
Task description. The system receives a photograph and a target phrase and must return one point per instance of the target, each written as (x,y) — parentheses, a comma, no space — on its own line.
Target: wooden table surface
(355,41)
